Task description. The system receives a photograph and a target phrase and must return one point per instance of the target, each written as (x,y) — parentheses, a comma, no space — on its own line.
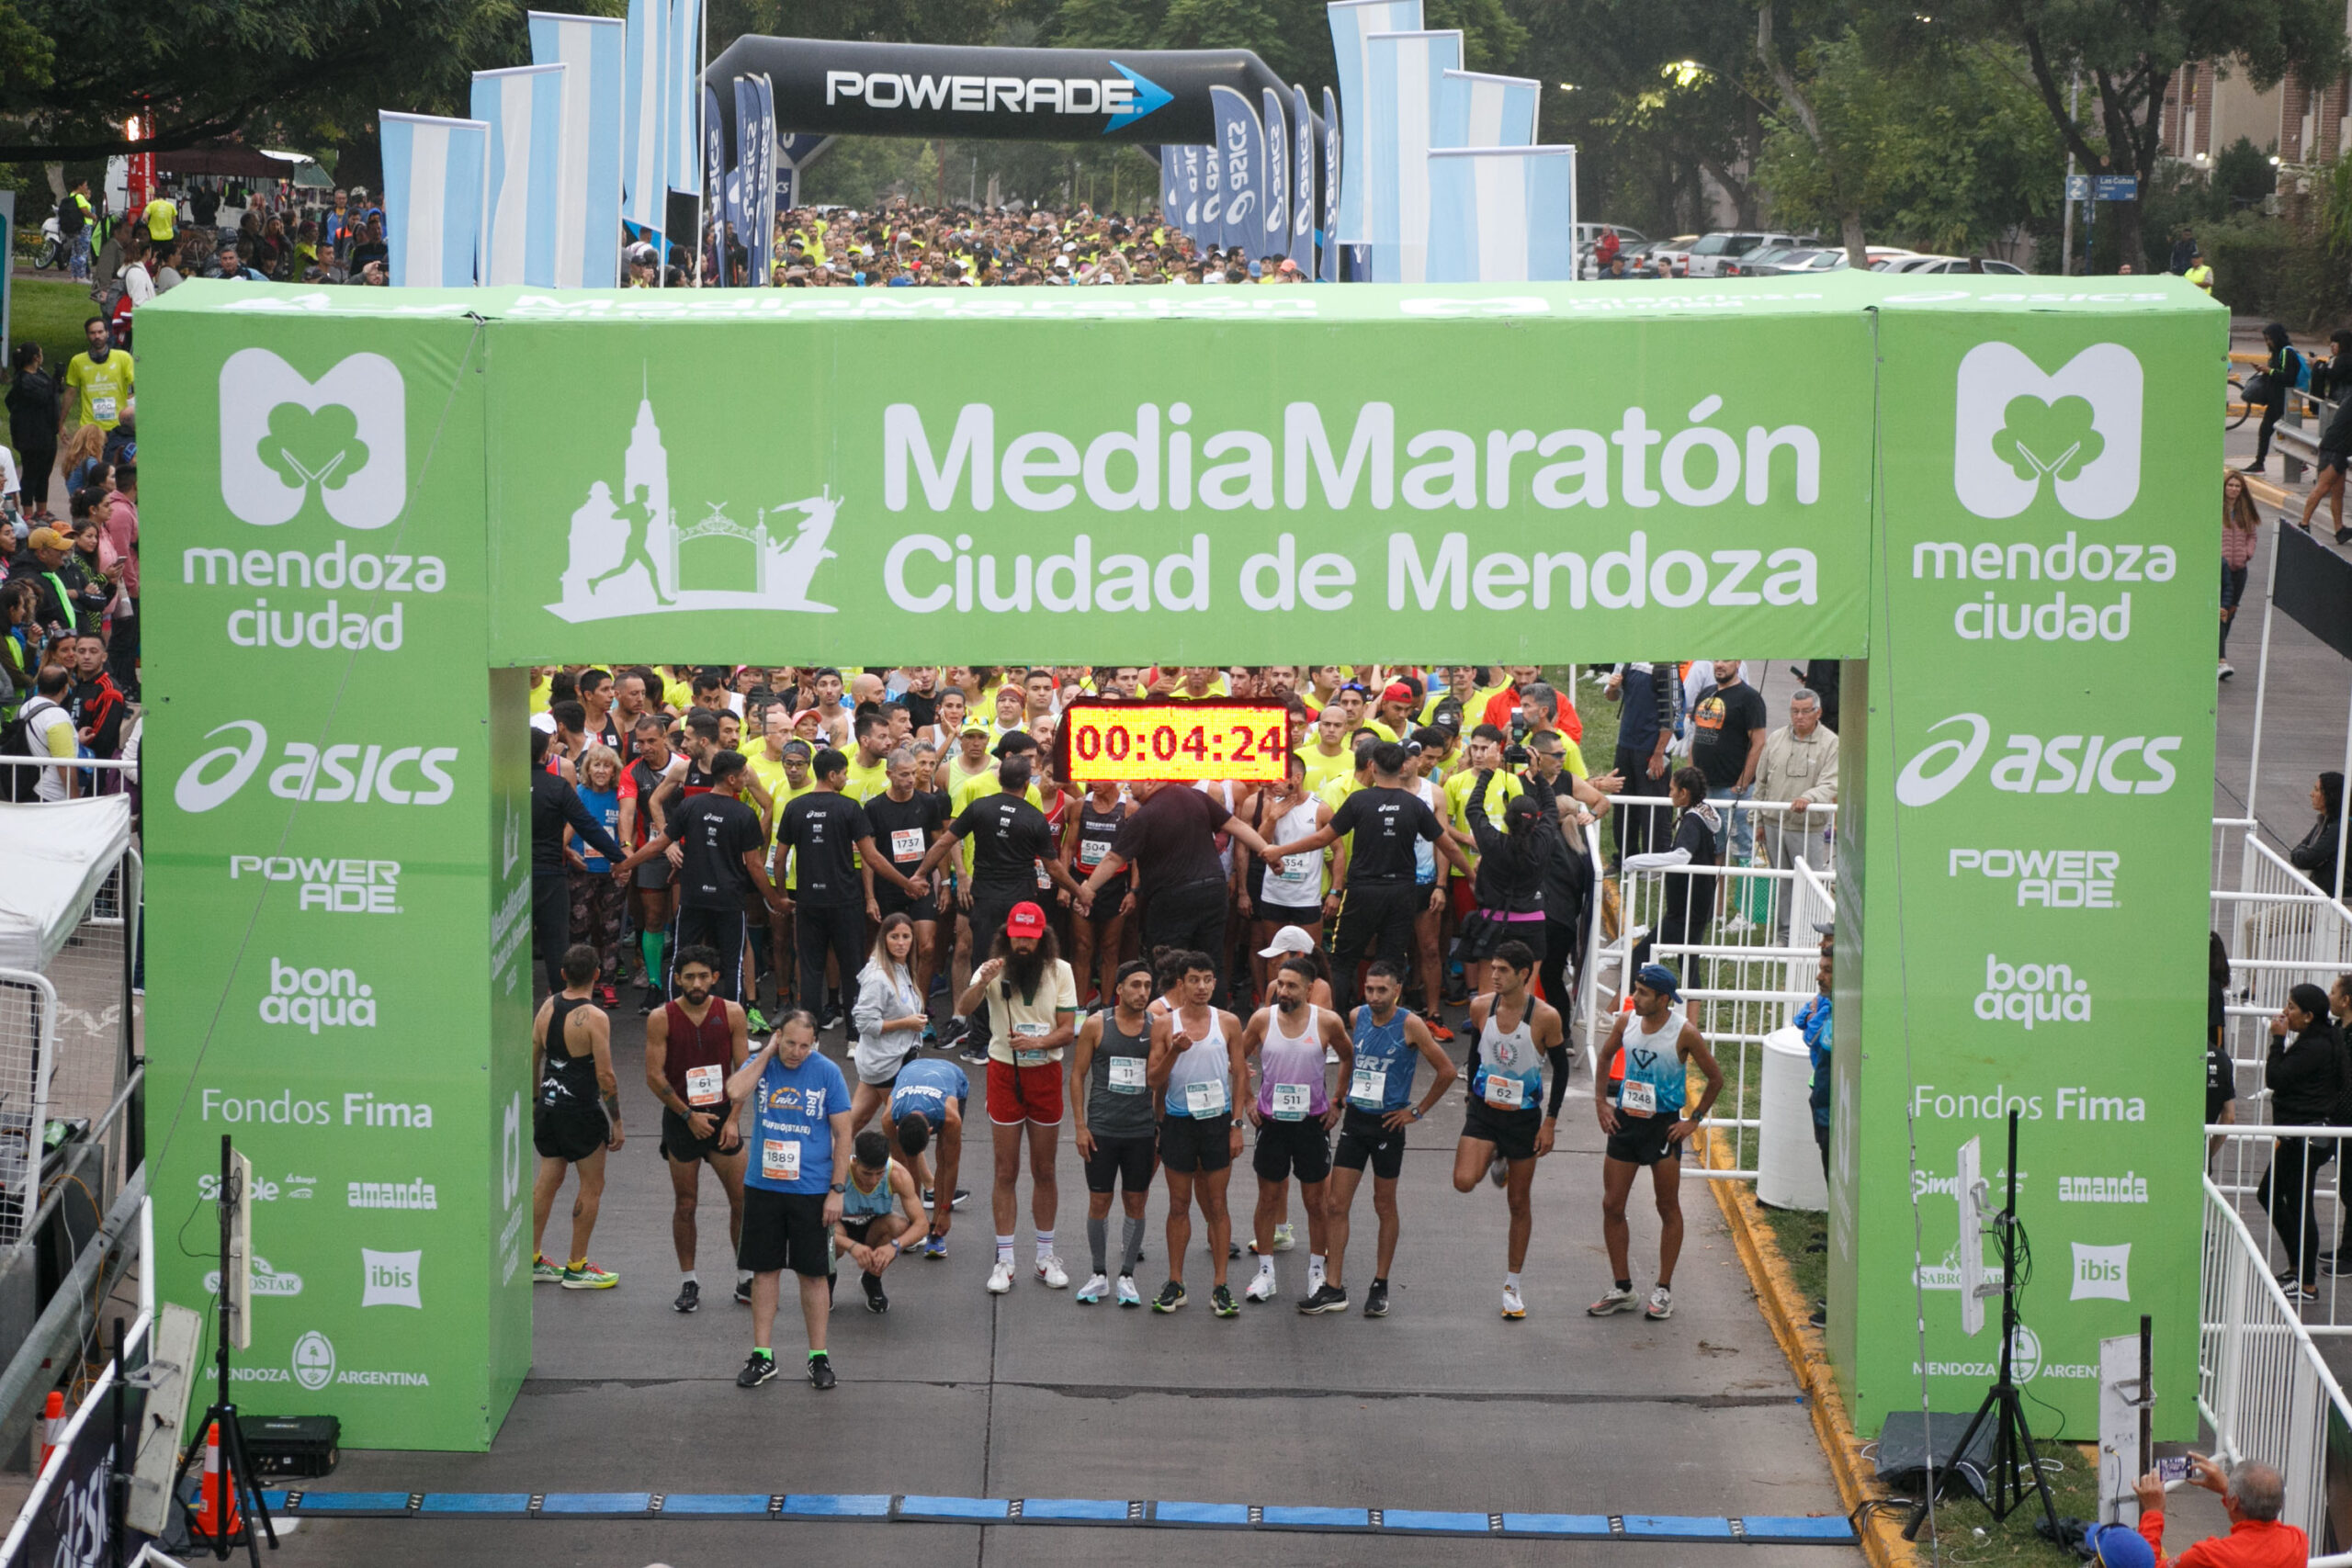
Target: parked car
(1673,255)
(1709,253)
(1793,263)
(1588,235)
(1983,264)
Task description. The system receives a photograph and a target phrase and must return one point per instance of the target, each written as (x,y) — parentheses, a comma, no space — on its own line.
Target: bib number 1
(1206,1098)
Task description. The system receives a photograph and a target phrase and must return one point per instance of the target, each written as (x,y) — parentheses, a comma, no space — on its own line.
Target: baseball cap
(1824,928)
(975,726)
(1287,941)
(47,539)
(1026,920)
(2120,1546)
(1396,692)
(1659,979)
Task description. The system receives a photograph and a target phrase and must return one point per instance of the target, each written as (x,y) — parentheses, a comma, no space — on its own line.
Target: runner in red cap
(1032,1013)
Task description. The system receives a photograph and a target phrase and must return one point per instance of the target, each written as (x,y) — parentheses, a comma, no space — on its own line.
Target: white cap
(1289,940)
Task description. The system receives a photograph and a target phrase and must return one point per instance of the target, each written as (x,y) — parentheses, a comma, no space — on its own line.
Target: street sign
(2078,187)
(2116,188)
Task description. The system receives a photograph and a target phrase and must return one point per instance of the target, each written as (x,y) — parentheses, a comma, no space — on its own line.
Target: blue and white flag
(524,105)
(1329,269)
(1475,109)
(588,246)
(1302,187)
(682,75)
(1353,23)
(1171,188)
(1402,73)
(755,159)
(719,214)
(1274,225)
(1210,233)
(433,198)
(1502,215)
(643,116)
(1242,161)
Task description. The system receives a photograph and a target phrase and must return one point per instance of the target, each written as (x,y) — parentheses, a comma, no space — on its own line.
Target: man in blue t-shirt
(1644,731)
(926,1106)
(797,1118)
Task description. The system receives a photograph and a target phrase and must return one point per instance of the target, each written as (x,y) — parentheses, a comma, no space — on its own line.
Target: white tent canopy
(53,855)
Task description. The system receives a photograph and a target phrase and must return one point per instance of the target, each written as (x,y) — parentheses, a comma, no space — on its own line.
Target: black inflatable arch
(836,87)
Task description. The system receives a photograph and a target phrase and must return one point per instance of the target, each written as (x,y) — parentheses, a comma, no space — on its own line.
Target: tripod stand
(2003,1406)
(236,1464)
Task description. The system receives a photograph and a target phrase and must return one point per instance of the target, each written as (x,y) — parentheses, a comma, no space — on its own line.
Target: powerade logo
(397,775)
(1126,98)
(2014,427)
(2047,879)
(2133,764)
(337,886)
(2029,994)
(284,439)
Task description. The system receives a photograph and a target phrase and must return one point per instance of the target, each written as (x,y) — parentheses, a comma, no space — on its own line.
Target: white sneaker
(1284,1238)
(1050,1270)
(1514,1305)
(1738,925)
(1612,1301)
(1128,1295)
(1661,1305)
(1260,1289)
(2226,671)
(1094,1290)
(1000,1277)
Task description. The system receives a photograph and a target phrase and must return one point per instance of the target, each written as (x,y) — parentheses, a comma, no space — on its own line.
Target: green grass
(49,314)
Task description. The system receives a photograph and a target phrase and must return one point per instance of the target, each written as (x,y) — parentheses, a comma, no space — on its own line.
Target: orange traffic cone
(53,1428)
(217,1517)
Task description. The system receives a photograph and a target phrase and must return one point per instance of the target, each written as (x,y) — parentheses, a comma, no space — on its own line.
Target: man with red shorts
(1032,1013)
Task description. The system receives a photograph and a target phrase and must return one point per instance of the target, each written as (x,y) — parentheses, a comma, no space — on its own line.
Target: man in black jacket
(555,804)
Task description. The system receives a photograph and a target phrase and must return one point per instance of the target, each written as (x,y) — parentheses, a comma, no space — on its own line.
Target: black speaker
(306,1446)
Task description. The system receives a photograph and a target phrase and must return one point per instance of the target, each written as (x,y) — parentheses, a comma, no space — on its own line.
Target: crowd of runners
(887,862)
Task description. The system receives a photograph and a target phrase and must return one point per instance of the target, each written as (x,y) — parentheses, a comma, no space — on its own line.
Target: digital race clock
(1105,739)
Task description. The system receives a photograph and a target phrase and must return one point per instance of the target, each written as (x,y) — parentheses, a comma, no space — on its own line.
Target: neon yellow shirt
(162,217)
(864,783)
(1500,791)
(1322,770)
(104,390)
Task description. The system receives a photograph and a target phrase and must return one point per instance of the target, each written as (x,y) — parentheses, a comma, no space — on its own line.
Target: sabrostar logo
(281,435)
(2014,427)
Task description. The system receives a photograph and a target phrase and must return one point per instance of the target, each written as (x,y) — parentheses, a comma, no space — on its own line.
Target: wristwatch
(1416,1113)
(841,1187)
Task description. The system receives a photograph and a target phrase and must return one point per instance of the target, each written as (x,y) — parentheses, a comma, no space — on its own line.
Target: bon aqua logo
(2016,429)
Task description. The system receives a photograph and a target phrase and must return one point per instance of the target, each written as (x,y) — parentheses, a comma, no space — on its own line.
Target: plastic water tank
(1788,1164)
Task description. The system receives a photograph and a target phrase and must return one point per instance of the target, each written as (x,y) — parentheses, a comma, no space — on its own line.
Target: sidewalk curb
(1785,1310)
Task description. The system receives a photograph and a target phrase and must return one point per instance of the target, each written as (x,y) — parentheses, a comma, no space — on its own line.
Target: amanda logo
(343,438)
(2079,429)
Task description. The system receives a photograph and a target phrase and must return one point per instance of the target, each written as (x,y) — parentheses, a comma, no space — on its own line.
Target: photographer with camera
(2253,1494)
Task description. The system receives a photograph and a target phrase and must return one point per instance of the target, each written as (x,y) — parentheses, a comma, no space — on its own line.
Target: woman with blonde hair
(2241,525)
(887,1016)
(596,894)
(86,451)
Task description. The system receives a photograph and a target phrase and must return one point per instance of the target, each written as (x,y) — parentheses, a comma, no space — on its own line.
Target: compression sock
(762,1350)
(1131,1248)
(1510,1280)
(1044,1247)
(1004,1250)
(1098,1240)
(650,943)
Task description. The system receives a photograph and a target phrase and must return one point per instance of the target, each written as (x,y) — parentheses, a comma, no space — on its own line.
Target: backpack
(20,782)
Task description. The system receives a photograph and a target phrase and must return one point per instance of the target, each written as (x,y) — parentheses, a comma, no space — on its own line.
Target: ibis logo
(2017,426)
(390,1279)
(286,440)
(2102,1273)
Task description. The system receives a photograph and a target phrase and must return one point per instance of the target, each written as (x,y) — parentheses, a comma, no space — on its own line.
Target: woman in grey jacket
(888,1015)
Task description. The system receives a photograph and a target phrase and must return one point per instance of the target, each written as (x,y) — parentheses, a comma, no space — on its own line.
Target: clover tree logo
(285,440)
(2014,427)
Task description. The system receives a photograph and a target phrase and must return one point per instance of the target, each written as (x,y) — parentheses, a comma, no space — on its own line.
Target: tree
(2128,52)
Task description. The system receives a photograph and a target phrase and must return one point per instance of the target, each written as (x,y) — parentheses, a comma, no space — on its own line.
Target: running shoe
(757,1370)
(2332,1264)
(2295,1293)
(973,1058)
(955,1030)
(1661,1305)
(1128,1295)
(743,1291)
(1171,1296)
(934,1248)
(1499,1171)
(1284,1239)
(820,1370)
(1221,1302)
(930,1036)
(2226,671)
(1440,1032)
(1325,1298)
(832,1015)
(1090,1293)
(1261,1288)
(874,1299)
(607,996)
(1051,1274)
(689,1298)
(755,1020)
(1376,1301)
(1617,1299)
(1000,1277)
(588,1276)
(544,1272)
(644,1009)
(1514,1304)
(930,1198)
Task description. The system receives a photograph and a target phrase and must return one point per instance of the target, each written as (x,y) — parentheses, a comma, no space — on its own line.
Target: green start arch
(1994,499)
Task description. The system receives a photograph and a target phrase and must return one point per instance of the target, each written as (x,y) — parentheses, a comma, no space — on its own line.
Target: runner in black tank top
(1099,936)
(686,1067)
(575,1116)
